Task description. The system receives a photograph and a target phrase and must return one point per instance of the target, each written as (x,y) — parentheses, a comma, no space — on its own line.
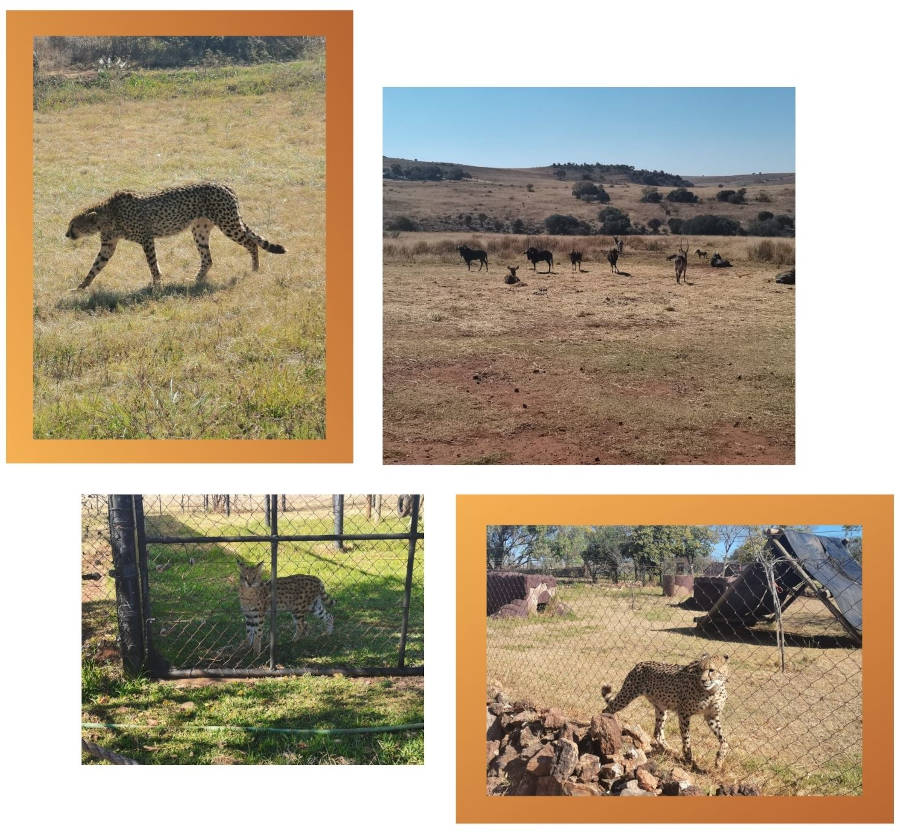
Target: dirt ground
(589,367)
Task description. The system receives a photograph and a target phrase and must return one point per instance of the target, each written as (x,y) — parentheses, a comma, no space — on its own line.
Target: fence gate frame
(129,540)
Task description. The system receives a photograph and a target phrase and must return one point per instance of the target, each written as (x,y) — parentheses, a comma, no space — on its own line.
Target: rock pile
(542,752)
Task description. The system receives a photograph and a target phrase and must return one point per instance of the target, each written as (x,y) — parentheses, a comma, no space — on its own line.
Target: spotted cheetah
(140,218)
(695,688)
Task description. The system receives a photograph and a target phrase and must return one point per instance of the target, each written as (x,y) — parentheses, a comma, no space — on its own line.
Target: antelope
(470,254)
(702,255)
(536,256)
(575,257)
(613,256)
(511,278)
(620,245)
(681,261)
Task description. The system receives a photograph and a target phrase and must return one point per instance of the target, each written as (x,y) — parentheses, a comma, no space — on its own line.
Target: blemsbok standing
(537,256)
(620,245)
(575,257)
(613,256)
(702,255)
(681,261)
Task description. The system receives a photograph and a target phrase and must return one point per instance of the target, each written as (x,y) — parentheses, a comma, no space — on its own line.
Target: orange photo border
(475,513)
(337,28)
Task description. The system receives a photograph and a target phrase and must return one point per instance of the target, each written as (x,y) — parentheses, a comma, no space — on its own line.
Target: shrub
(675,224)
(762,196)
(530,188)
(565,224)
(779,226)
(402,224)
(711,224)
(651,195)
(682,195)
(560,173)
(762,216)
(457,174)
(737,197)
(590,192)
(518,226)
(615,221)
(654,224)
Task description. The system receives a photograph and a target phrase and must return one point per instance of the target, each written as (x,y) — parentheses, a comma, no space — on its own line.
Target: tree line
(632,552)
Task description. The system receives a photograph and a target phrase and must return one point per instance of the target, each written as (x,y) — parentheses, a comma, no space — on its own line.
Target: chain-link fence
(789,621)
(161,574)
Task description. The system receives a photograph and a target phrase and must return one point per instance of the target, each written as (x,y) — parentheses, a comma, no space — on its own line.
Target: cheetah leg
(716,727)
(659,733)
(107,249)
(239,234)
(684,722)
(200,230)
(150,254)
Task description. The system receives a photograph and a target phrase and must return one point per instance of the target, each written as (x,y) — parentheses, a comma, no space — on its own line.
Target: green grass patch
(170,718)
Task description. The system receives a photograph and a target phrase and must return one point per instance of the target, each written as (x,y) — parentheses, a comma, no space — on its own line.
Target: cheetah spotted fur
(696,688)
(141,218)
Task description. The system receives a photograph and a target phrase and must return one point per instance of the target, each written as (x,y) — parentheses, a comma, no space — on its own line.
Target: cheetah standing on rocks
(140,218)
(696,688)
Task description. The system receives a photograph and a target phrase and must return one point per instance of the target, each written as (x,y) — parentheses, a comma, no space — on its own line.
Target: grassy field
(241,355)
(165,720)
(797,732)
(591,367)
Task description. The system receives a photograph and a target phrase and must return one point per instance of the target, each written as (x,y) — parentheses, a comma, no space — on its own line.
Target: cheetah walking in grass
(141,218)
(696,688)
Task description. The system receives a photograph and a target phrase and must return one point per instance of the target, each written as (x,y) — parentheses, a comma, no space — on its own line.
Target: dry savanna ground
(587,367)
(797,732)
(241,355)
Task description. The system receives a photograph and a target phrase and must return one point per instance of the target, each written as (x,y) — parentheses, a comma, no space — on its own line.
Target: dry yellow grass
(799,732)
(504,194)
(241,356)
(587,367)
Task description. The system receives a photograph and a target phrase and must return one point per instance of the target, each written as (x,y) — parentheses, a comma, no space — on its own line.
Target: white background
(843,63)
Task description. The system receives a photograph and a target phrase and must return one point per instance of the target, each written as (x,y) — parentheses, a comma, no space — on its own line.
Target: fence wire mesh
(193,546)
(793,717)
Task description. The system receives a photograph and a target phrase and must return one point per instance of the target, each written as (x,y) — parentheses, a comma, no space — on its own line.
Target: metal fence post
(273,526)
(128,590)
(338,502)
(413,529)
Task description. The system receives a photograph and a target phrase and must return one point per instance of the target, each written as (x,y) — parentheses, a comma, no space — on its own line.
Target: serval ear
(259,564)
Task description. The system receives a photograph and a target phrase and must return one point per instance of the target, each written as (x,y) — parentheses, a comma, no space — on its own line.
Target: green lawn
(167,721)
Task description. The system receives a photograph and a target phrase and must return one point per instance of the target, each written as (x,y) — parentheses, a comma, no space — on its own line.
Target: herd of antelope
(535,255)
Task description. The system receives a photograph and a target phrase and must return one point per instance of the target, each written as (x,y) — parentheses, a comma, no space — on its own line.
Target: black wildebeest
(470,254)
(536,256)
(681,261)
(575,257)
(613,256)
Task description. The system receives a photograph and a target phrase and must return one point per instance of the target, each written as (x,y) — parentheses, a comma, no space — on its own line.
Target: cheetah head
(712,671)
(83,225)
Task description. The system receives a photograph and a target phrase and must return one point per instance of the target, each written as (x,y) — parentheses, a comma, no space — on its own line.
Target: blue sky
(825,530)
(684,130)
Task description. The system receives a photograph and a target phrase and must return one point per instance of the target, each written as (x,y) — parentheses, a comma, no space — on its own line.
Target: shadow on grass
(110,300)
(765,638)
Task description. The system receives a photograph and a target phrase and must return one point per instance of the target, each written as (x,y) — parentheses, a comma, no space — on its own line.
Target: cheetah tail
(265,245)
(606,693)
